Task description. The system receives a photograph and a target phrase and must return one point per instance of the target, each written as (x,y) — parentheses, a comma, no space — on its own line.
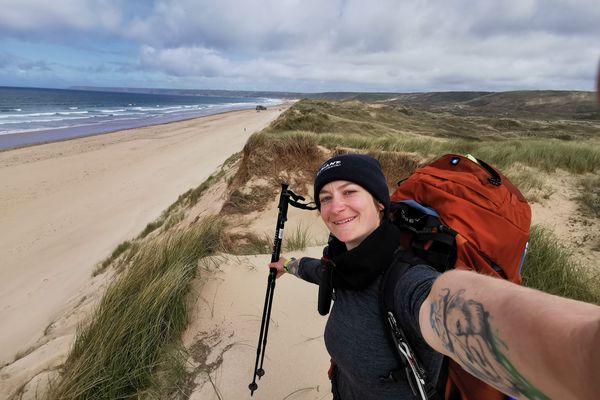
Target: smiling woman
(349,211)
(464,315)
(352,195)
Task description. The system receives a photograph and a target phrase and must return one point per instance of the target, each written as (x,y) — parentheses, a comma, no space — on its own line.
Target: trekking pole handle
(284,199)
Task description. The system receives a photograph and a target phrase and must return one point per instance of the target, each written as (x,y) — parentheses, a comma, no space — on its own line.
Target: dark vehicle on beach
(260,108)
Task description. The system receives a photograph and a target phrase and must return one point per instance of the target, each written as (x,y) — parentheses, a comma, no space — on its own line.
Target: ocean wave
(38,114)
(143,108)
(111,116)
(112,111)
(229,105)
(42,114)
(71,112)
(30,121)
(38,129)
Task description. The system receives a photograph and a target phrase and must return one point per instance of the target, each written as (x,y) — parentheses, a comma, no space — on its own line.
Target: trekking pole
(284,201)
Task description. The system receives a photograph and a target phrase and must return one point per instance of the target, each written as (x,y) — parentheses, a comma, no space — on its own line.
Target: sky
(301,45)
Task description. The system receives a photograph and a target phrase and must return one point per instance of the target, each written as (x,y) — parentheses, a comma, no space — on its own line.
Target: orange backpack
(462,213)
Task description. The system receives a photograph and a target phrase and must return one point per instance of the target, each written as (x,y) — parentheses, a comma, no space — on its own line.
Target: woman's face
(349,211)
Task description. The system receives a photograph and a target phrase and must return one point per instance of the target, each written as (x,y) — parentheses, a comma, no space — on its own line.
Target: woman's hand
(278,266)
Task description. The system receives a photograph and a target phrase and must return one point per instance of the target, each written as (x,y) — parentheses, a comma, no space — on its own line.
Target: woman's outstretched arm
(524,342)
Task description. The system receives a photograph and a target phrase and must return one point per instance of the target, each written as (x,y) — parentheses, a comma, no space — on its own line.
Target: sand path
(225,324)
(65,206)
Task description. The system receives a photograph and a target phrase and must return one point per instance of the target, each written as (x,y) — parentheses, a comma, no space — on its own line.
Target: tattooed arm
(526,343)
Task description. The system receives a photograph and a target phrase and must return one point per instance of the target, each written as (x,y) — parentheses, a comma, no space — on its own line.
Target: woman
(352,195)
(526,343)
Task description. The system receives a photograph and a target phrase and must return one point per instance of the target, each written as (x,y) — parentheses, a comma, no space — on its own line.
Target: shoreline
(32,138)
(66,205)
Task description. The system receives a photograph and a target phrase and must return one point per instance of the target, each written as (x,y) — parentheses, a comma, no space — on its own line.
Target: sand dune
(224,330)
(65,206)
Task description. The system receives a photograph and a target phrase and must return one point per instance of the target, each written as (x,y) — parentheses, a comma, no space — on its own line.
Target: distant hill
(547,104)
(195,92)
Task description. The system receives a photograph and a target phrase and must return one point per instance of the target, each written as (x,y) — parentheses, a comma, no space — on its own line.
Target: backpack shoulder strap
(390,278)
(409,366)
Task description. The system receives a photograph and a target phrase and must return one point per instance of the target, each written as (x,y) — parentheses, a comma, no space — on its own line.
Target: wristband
(287,263)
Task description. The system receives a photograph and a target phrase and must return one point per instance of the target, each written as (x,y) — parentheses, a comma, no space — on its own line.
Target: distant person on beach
(549,346)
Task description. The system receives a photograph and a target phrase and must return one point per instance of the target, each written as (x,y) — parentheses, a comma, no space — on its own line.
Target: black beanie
(361,169)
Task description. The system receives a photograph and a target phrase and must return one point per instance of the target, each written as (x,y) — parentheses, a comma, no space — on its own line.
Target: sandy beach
(225,325)
(65,206)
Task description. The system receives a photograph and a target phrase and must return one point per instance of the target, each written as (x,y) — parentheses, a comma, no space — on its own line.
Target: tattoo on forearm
(464,328)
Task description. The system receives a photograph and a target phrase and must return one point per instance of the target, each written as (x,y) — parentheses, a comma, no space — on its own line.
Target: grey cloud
(9,61)
(573,18)
(185,61)
(71,23)
(385,44)
(34,65)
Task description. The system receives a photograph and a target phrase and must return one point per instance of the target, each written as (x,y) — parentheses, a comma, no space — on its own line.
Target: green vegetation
(546,104)
(502,142)
(142,314)
(242,202)
(550,268)
(299,239)
(530,182)
(122,248)
(151,227)
(589,199)
(248,243)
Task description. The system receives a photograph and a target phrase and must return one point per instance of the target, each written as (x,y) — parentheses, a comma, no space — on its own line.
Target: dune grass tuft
(550,268)
(142,313)
(589,199)
(248,243)
(530,181)
(298,239)
(121,248)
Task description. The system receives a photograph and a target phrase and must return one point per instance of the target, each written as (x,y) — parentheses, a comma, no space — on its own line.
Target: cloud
(15,63)
(378,45)
(185,61)
(36,18)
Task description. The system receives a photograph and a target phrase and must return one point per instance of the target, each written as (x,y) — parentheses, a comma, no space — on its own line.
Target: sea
(33,115)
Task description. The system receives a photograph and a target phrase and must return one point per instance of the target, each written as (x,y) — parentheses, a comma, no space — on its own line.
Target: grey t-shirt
(356,337)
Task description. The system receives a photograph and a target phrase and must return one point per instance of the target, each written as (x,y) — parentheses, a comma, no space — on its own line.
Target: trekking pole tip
(253,386)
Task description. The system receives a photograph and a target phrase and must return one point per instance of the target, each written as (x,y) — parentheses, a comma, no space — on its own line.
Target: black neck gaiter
(357,268)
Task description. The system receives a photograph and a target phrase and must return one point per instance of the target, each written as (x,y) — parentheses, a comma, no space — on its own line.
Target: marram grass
(332,125)
(142,313)
(549,267)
